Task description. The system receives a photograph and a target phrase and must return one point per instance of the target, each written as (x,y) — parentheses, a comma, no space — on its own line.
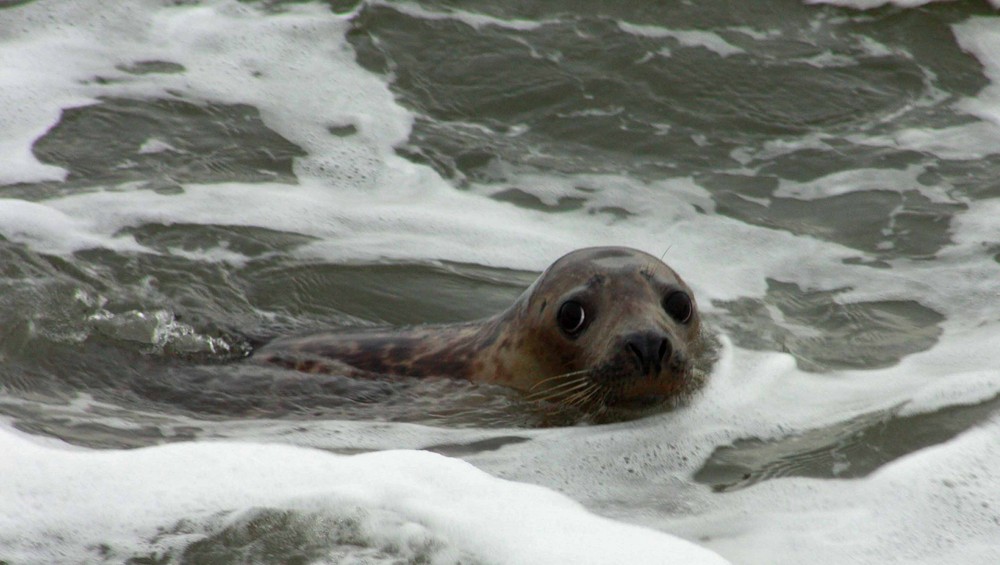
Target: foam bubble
(870,4)
(934,506)
(980,37)
(43,226)
(471,19)
(864,180)
(687,38)
(37,85)
(57,51)
(965,142)
(121,503)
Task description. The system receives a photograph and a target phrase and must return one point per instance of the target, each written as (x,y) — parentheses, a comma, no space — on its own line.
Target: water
(181,183)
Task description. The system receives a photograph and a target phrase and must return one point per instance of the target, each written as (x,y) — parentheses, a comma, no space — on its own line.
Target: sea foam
(59,504)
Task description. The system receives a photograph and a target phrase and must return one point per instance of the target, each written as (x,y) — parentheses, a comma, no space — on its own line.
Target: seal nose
(649,349)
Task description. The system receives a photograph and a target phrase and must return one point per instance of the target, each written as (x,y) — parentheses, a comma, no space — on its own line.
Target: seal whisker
(559,376)
(591,394)
(604,397)
(585,389)
(582,398)
(578,398)
(563,391)
(576,380)
(560,389)
(567,385)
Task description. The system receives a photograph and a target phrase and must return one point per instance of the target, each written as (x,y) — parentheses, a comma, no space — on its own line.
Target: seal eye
(678,306)
(571,317)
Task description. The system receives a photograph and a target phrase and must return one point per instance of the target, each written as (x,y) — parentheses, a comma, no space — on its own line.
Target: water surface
(182,183)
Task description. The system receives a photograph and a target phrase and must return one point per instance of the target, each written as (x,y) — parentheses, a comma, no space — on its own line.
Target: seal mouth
(611,387)
(644,391)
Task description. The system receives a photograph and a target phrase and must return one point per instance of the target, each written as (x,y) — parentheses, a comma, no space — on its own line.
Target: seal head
(611,326)
(602,326)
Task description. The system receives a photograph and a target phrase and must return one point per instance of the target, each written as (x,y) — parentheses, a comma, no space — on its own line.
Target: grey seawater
(111,349)
(591,99)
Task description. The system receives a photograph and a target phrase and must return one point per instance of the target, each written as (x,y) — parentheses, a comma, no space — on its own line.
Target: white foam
(415,211)
(777,147)
(981,37)
(49,229)
(58,504)
(870,4)
(686,37)
(57,49)
(963,143)
(36,87)
(937,505)
(970,141)
(906,512)
(474,20)
(153,146)
(860,180)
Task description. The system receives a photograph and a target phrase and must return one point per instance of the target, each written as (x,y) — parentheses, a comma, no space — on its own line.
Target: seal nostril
(665,351)
(634,349)
(650,350)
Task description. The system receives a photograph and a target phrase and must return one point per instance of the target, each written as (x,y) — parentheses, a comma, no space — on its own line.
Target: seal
(602,326)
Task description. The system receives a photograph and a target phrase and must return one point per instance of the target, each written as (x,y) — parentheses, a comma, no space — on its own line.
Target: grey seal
(602,326)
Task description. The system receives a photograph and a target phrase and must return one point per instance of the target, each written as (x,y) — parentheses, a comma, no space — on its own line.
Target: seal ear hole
(678,306)
(572,318)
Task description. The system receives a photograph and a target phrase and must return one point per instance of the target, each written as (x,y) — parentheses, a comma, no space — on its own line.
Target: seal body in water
(605,326)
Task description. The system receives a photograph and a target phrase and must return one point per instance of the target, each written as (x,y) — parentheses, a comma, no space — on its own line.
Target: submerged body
(606,326)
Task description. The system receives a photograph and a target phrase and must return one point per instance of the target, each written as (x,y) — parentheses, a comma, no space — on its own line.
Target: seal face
(601,327)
